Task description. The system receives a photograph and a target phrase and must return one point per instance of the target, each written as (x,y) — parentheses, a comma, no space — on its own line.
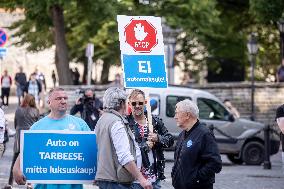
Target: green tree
(43,23)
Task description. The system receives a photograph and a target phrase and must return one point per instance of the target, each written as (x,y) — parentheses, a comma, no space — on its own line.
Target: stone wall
(268,96)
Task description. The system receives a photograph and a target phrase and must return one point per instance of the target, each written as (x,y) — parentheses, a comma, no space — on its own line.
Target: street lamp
(281,31)
(252,48)
(170,35)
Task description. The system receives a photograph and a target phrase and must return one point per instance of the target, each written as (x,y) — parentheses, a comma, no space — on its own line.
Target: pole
(267,163)
(252,87)
(282,145)
(282,46)
(1,63)
(90,61)
(89,55)
(148,108)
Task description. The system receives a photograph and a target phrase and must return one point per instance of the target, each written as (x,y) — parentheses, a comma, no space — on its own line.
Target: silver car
(240,139)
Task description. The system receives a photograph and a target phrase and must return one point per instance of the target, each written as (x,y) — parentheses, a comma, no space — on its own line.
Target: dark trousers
(11,178)
(5,93)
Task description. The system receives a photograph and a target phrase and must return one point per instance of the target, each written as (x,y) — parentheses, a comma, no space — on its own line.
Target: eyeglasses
(135,103)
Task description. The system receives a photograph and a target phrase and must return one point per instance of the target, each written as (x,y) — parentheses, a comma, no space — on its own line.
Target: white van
(249,147)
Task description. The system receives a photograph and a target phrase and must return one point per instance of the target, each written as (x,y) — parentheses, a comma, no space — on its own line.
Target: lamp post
(281,31)
(252,48)
(170,36)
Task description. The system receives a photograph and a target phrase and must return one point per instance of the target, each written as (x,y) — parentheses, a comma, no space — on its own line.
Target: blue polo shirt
(68,122)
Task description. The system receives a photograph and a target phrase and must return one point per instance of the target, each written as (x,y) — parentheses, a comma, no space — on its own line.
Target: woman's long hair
(28,101)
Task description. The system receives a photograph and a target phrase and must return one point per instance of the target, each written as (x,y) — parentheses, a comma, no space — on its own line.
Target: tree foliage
(213,32)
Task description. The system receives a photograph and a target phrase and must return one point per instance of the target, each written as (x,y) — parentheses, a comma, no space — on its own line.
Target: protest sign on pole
(142,51)
(58,157)
(142,54)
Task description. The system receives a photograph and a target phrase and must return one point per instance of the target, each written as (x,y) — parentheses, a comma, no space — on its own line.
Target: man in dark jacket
(197,157)
(151,144)
(89,107)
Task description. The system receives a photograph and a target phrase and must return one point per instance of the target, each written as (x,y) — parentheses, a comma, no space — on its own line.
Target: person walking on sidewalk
(33,87)
(6,82)
(57,119)
(118,152)
(197,157)
(3,133)
(20,80)
(26,115)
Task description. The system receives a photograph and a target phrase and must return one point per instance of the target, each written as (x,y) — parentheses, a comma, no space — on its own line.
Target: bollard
(282,146)
(267,163)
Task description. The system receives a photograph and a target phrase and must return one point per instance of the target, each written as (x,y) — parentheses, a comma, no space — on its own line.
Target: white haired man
(197,157)
(117,149)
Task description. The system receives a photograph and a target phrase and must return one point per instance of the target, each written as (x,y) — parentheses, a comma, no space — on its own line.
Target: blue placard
(59,157)
(144,71)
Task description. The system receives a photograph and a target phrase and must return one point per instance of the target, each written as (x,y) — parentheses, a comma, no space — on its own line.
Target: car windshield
(210,109)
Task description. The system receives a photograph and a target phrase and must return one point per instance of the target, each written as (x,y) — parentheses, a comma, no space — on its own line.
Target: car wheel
(235,159)
(253,153)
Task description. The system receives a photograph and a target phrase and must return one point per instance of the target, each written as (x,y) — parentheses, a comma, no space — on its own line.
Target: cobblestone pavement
(231,177)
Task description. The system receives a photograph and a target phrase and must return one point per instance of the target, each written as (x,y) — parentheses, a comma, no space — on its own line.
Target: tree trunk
(62,61)
(105,72)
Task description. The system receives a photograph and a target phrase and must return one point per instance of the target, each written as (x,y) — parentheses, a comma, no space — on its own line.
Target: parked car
(249,147)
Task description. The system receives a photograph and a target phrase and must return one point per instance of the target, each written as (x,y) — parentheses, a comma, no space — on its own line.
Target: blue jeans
(156,185)
(111,185)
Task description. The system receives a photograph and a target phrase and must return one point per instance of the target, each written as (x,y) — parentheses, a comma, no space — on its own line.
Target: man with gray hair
(197,157)
(117,149)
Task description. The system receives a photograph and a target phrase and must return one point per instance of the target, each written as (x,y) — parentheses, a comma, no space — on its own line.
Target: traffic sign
(3,37)
(141,35)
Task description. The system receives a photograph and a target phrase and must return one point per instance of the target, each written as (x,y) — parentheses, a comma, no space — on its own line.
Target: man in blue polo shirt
(57,119)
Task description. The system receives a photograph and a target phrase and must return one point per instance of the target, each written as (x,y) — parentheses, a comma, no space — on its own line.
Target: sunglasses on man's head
(135,103)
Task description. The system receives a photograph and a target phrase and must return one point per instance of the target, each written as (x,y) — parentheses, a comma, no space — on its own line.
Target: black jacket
(89,111)
(165,140)
(197,159)
(26,89)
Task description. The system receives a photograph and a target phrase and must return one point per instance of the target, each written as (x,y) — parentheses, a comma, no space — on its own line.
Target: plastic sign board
(3,37)
(141,35)
(58,157)
(142,51)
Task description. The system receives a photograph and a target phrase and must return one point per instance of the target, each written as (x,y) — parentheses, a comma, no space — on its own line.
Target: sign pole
(149,112)
(1,63)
